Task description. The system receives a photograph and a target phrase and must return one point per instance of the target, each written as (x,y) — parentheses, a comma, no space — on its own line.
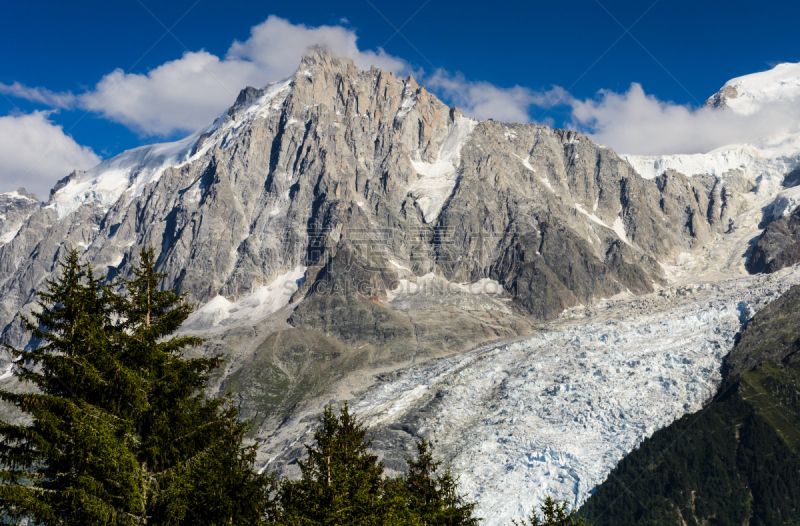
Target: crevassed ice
(556,412)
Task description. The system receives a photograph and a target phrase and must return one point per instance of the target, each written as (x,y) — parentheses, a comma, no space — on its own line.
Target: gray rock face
(369,184)
(778,246)
(720,98)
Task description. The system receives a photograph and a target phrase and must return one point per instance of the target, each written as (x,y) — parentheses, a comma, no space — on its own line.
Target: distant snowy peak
(130,171)
(764,161)
(749,93)
(17,195)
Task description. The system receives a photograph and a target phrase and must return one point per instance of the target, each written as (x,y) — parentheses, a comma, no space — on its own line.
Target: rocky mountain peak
(247,96)
(337,168)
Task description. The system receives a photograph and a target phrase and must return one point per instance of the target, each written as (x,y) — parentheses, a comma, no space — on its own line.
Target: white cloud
(35,153)
(637,123)
(185,94)
(182,95)
(62,100)
(483,100)
(190,92)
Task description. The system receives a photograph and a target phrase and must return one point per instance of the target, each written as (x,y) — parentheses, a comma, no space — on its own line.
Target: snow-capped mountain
(751,93)
(766,160)
(345,234)
(124,176)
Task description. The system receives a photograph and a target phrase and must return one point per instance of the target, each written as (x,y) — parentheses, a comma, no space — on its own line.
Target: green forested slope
(735,462)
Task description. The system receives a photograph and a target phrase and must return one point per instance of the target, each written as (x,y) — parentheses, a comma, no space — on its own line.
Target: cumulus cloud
(637,123)
(180,95)
(61,100)
(35,152)
(483,100)
(185,94)
(188,93)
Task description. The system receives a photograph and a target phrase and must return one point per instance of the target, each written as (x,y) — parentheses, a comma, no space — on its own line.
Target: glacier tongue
(556,412)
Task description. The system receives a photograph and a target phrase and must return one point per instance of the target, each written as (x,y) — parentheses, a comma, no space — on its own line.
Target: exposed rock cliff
(336,168)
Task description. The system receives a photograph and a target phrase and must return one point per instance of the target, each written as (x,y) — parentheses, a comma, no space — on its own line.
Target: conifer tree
(121,431)
(73,463)
(552,514)
(435,498)
(190,453)
(341,482)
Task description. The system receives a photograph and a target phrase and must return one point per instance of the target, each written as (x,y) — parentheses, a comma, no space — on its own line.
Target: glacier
(554,413)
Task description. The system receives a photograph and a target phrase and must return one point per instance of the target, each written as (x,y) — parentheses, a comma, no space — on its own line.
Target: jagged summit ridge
(130,171)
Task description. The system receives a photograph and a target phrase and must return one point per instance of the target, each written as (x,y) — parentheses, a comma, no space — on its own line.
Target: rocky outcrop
(778,246)
(719,100)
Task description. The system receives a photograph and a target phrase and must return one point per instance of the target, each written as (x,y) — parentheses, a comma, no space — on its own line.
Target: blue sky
(498,59)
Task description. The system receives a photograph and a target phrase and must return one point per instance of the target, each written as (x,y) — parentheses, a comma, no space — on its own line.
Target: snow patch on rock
(437,179)
(261,303)
(9,236)
(16,195)
(618,227)
(786,202)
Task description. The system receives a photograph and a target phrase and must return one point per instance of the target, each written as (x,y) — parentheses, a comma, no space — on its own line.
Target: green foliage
(726,465)
(121,432)
(773,389)
(342,483)
(552,514)
(433,497)
(73,464)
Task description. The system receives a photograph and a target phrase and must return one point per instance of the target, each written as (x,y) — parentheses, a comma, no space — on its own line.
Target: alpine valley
(535,304)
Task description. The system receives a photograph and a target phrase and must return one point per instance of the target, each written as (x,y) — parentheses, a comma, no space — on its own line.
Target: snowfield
(438,179)
(754,91)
